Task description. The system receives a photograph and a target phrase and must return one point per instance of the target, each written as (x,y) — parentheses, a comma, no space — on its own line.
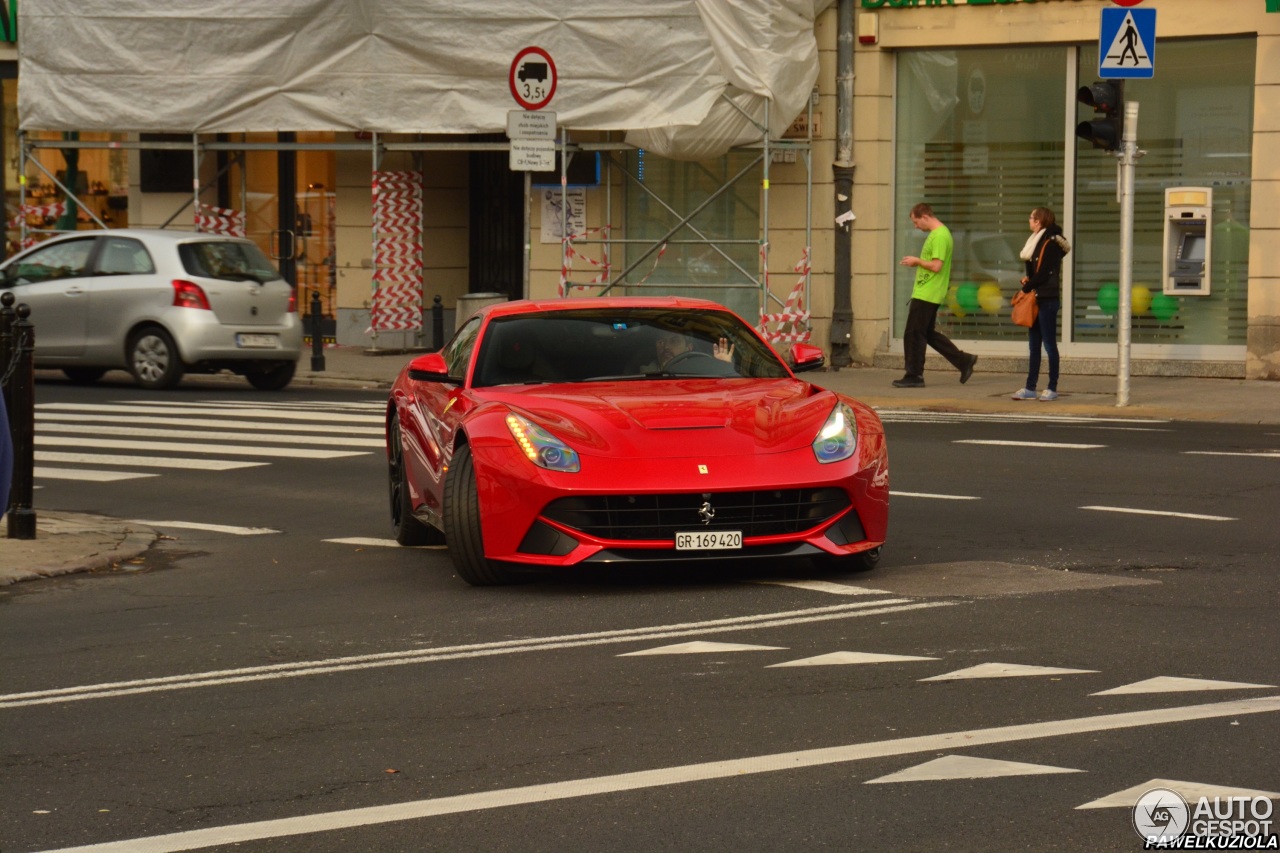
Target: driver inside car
(672,344)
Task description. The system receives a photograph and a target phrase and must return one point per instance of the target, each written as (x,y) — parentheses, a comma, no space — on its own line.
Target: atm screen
(1192,248)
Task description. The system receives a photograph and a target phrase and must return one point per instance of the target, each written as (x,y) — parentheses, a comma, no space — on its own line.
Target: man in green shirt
(933,280)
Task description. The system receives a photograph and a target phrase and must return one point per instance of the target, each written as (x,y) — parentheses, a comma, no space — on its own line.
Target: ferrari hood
(679,418)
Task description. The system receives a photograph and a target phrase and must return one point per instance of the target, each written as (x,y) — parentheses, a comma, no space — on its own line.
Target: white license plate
(258,341)
(709,540)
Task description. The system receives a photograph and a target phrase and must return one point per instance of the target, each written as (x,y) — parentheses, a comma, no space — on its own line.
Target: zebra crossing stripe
(186,447)
(278,438)
(328,417)
(86,474)
(143,461)
(220,423)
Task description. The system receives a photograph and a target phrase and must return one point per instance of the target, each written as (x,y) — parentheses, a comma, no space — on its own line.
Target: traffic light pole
(1128,157)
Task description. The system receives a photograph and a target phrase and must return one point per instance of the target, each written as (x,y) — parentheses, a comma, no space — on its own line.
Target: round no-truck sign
(533,78)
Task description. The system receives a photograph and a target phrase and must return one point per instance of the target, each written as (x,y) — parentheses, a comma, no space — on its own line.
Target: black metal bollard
(317,332)
(22,424)
(437,323)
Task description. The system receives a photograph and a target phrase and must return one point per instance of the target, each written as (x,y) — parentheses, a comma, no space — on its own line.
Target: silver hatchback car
(158,304)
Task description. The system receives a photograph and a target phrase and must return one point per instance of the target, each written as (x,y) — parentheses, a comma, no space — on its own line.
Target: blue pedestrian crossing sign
(1127,43)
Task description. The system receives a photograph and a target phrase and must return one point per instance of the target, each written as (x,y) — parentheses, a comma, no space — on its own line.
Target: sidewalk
(73,542)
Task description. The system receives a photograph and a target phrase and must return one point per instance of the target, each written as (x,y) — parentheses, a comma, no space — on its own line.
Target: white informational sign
(533,155)
(554,212)
(523,124)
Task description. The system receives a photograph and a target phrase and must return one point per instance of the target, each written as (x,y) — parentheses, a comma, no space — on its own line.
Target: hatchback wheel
(154,360)
(273,378)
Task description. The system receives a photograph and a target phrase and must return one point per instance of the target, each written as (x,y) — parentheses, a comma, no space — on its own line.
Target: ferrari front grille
(771,512)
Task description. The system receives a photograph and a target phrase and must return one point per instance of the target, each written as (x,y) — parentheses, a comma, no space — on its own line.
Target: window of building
(981,136)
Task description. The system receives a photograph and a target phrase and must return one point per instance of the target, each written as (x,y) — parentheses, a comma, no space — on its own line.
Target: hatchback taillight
(188,294)
(293,301)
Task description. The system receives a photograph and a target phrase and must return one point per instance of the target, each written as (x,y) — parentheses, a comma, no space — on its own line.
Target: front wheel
(273,378)
(154,360)
(462,526)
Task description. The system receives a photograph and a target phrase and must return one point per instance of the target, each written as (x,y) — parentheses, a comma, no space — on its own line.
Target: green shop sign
(8,20)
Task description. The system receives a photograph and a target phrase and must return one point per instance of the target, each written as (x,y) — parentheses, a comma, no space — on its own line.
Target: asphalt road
(1066,610)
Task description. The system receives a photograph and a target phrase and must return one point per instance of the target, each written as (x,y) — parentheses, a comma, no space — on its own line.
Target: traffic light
(1106,99)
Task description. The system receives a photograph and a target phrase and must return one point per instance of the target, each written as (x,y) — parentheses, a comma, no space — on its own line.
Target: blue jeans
(1044,333)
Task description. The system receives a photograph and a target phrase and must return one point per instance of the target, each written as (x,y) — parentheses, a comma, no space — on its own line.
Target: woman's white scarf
(1029,250)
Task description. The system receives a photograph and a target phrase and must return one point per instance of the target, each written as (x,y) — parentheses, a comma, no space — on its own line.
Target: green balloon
(1109,297)
(967,296)
(1164,307)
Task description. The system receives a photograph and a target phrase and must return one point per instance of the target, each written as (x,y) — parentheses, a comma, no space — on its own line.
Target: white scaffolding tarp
(657,69)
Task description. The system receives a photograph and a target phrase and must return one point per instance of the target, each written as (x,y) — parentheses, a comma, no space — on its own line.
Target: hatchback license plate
(709,540)
(258,341)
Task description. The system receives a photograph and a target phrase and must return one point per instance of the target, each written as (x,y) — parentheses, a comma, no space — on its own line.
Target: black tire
(408,530)
(154,360)
(864,561)
(272,378)
(462,526)
(84,375)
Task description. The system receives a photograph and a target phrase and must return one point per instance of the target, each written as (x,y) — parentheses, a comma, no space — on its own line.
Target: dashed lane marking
(212,528)
(1052,445)
(934,496)
(666,776)
(1190,515)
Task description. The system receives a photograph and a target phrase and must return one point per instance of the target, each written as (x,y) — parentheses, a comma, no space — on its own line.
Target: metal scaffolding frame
(378,148)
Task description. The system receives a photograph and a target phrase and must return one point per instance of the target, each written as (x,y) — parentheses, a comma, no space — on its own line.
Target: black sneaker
(909,382)
(967,370)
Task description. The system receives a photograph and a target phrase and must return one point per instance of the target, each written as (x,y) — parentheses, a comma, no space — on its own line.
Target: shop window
(980,137)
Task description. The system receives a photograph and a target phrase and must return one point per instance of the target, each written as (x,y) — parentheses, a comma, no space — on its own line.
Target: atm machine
(1188,231)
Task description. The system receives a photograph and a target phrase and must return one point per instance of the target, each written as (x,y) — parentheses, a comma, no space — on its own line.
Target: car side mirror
(429,368)
(806,357)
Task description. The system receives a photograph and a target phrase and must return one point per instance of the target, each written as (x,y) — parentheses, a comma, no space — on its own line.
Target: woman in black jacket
(1043,254)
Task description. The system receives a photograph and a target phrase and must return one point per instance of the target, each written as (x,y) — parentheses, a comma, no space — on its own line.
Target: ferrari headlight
(838,437)
(542,448)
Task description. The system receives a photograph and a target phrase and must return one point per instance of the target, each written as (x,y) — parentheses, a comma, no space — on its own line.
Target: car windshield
(234,260)
(621,344)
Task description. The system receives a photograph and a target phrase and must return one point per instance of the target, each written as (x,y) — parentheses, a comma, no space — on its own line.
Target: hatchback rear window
(228,259)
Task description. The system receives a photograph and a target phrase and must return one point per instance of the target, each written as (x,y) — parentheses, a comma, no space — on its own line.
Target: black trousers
(920,332)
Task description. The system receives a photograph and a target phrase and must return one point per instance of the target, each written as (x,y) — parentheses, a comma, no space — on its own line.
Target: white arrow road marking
(144,461)
(1005,670)
(1191,515)
(703,648)
(272,672)
(844,658)
(734,768)
(212,528)
(1058,445)
(206,435)
(1190,791)
(826,586)
(936,497)
(967,767)
(187,447)
(1173,684)
(86,474)
(221,423)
